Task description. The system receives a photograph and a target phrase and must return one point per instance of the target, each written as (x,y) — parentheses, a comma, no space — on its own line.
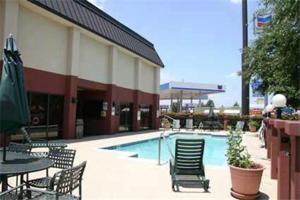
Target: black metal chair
(41,143)
(19,148)
(187,167)
(13,194)
(62,185)
(62,158)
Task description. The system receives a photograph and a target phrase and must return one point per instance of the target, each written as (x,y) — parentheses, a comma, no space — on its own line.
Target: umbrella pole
(4,149)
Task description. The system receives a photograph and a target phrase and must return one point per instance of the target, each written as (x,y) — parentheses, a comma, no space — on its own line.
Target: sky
(198,40)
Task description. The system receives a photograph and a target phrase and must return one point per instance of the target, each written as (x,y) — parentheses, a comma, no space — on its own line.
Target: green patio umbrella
(211,114)
(14,111)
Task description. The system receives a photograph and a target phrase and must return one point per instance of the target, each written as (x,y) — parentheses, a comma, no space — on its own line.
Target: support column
(180,101)
(71,85)
(112,62)
(111,121)
(74,51)
(274,150)
(268,137)
(70,108)
(171,105)
(283,185)
(155,108)
(136,103)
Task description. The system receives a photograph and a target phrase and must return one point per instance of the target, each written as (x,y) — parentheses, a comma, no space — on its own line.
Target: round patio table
(20,164)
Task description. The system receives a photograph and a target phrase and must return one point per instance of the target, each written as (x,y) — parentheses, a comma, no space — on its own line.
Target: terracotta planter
(246,182)
(252,128)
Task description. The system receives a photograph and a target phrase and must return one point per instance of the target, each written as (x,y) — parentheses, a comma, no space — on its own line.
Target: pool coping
(156,137)
(134,155)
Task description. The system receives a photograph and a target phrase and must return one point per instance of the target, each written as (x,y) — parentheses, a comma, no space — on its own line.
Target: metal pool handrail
(166,116)
(162,136)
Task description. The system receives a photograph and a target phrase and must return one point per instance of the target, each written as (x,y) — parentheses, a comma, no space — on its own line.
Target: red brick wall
(46,82)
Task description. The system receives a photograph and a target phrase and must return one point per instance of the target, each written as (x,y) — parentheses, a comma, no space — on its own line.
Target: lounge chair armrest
(172,165)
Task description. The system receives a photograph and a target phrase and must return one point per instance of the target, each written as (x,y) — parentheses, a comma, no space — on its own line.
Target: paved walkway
(111,175)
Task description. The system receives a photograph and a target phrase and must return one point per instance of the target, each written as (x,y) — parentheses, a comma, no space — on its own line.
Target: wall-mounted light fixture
(74,100)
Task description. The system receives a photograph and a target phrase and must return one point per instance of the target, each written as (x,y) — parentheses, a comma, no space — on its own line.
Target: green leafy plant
(165,123)
(253,123)
(237,154)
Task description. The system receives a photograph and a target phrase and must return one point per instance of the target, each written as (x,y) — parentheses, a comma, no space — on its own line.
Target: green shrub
(253,123)
(165,123)
(200,117)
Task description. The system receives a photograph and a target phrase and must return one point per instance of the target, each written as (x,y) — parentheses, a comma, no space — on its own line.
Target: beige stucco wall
(124,74)
(43,43)
(1,25)
(147,78)
(49,43)
(93,62)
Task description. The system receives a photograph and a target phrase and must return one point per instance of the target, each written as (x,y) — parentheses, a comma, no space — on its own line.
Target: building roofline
(111,20)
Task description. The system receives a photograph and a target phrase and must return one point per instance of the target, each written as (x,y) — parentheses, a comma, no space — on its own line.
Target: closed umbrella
(14,111)
(211,114)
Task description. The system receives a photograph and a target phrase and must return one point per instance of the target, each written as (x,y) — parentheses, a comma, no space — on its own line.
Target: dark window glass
(56,108)
(92,109)
(145,121)
(125,117)
(38,109)
(46,115)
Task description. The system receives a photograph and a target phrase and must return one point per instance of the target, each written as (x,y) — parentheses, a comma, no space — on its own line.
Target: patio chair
(187,167)
(62,158)
(261,134)
(13,194)
(240,126)
(41,143)
(62,185)
(19,148)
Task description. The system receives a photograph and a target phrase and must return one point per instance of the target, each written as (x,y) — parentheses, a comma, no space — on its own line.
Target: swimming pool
(214,153)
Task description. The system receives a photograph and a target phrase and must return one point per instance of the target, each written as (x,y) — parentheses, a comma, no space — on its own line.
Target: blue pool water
(214,152)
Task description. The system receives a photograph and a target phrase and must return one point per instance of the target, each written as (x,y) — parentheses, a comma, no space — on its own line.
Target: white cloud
(99,3)
(233,75)
(236,1)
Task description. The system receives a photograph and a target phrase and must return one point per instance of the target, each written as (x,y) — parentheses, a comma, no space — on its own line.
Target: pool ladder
(163,137)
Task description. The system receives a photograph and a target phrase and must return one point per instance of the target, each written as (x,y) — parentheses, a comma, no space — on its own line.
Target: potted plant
(252,124)
(245,174)
(165,123)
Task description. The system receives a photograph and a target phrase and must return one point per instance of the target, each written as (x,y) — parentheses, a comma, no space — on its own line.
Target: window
(46,114)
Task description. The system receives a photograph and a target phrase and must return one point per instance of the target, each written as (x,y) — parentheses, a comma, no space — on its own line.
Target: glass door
(145,122)
(125,117)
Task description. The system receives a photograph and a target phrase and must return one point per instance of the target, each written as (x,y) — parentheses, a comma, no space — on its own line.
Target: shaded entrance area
(92,109)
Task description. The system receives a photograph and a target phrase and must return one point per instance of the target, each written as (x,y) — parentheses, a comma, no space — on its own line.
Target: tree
(236,104)
(175,107)
(210,103)
(273,57)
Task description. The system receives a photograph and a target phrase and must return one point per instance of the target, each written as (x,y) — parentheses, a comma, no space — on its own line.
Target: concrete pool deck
(112,175)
